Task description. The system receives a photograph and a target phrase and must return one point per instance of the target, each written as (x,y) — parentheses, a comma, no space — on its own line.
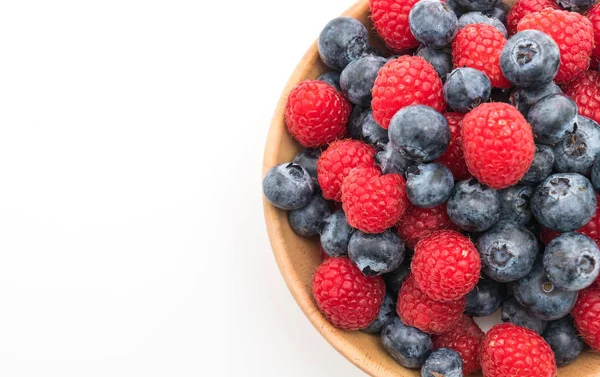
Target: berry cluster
(455,180)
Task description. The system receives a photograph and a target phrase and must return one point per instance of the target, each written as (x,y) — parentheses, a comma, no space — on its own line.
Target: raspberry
(523,8)
(594,16)
(407,80)
(416,309)
(446,265)
(390,18)
(498,144)
(479,46)
(337,161)
(585,91)
(591,229)
(586,314)
(572,32)
(316,113)
(454,157)
(373,202)
(417,223)
(465,338)
(508,350)
(347,298)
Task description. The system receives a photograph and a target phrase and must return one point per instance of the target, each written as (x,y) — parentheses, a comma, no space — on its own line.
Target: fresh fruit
(343,40)
(358,78)
(516,314)
(386,313)
(552,117)
(575,5)
(524,7)
(443,362)
(591,229)
(440,59)
(417,223)
(466,88)
(585,91)
(428,185)
(307,158)
(288,186)
(524,98)
(307,221)
(465,338)
(485,298)
(433,23)
(478,5)
(593,14)
(474,207)
(335,234)
(391,161)
(390,19)
(577,151)
(395,279)
(515,204)
(595,178)
(562,337)
(586,315)
(376,254)
(331,78)
(409,346)
(454,157)
(366,129)
(481,18)
(541,167)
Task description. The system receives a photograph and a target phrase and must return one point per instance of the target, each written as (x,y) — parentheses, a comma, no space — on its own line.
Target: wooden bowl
(298,257)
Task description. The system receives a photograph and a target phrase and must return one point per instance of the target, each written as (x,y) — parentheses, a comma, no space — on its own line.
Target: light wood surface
(298,257)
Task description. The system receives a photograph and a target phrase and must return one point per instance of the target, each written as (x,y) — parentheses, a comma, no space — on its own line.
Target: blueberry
(577,151)
(335,234)
(474,207)
(478,5)
(362,126)
(455,7)
(575,5)
(516,314)
(428,185)
(395,279)
(466,88)
(356,121)
(441,60)
(541,167)
(552,118)
(572,261)
(391,161)
(524,98)
(433,23)
(386,313)
(515,204)
(485,298)
(564,202)
(508,251)
(308,158)
(343,40)
(500,95)
(419,133)
(332,78)
(540,297)
(358,78)
(407,345)
(500,12)
(562,337)
(376,254)
(530,58)
(307,221)
(596,175)
(481,18)
(288,186)
(443,362)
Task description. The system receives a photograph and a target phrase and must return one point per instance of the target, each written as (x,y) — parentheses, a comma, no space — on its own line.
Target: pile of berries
(453,180)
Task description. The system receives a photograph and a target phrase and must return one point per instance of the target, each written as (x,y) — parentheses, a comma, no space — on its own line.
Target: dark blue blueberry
(524,98)
(540,297)
(515,313)
(443,362)
(481,18)
(344,39)
(308,158)
(530,58)
(575,5)
(596,175)
(572,261)
(288,186)
(335,234)
(455,7)
(307,221)
(428,185)
(485,298)
(419,133)
(466,88)
(358,78)
(552,118)
(577,151)
(562,337)
(474,207)
(478,5)
(395,279)
(332,78)
(508,251)
(407,345)
(391,161)
(440,59)
(362,126)
(433,23)
(564,202)
(500,12)
(541,167)
(376,254)
(386,313)
(356,121)
(515,204)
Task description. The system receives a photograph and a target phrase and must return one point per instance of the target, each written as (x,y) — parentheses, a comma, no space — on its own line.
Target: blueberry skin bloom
(332,78)
(419,133)
(562,337)
(433,23)
(552,117)
(308,160)
(441,60)
(524,98)
(485,298)
(530,58)
(516,314)
(358,78)
(572,261)
(428,185)
(376,254)
(408,345)
(541,167)
(391,161)
(515,204)
(481,18)
(386,313)
(444,362)
(466,88)
(288,186)
(307,221)
(474,207)
(343,40)
(564,202)
(335,234)
(577,151)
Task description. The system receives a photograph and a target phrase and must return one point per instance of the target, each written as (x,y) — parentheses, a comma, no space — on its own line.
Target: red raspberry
(594,16)
(498,144)
(347,298)
(591,229)
(508,350)
(336,162)
(373,202)
(316,113)
(390,18)
(417,223)
(446,265)
(465,338)
(416,309)
(454,157)
(586,314)
(585,91)
(523,8)
(572,32)
(479,46)
(595,285)
(407,80)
